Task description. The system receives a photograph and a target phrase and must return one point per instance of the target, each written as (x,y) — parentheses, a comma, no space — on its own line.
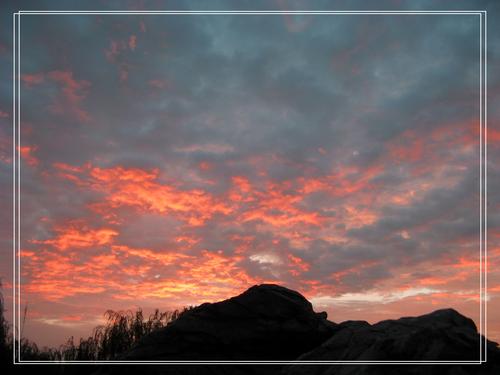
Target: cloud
(72,92)
(132,42)
(372,297)
(183,161)
(32,79)
(158,83)
(209,148)
(27,154)
(74,237)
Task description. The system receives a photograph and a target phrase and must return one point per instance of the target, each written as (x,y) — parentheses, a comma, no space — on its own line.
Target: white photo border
(16,182)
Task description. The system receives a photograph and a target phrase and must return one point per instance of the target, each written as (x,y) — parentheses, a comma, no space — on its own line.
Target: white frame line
(250,12)
(480,182)
(486,183)
(17,192)
(18,207)
(14,304)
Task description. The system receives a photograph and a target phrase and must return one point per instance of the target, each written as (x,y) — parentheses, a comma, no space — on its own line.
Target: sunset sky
(171,160)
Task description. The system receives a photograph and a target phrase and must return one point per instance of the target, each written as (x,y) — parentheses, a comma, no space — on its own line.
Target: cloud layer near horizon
(176,160)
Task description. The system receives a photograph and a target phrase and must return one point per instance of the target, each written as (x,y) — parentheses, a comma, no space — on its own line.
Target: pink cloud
(32,79)
(158,83)
(27,154)
(114,55)
(5,150)
(132,42)
(114,50)
(123,73)
(73,93)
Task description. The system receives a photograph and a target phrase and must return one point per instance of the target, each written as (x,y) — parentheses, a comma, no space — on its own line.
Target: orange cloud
(163,258)
(297,265)
(208,277)
(55,277)
(27,154)
(72,236)
(187,240)
(343,181)
(359,217)
(125,272)
(216,271)
(274,205)
(241,191)
(141,189)
(493,136)
(72,318)
(119,174)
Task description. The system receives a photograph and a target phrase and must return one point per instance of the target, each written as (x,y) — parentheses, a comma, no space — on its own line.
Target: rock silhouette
(267,322)
(443,335)
(270,322)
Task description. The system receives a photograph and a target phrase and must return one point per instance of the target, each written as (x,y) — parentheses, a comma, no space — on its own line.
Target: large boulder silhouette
(273,323)
(443,335)
(267,322)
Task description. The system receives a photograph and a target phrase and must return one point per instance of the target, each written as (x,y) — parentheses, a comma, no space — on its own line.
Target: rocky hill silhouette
(267,322)
(270,322)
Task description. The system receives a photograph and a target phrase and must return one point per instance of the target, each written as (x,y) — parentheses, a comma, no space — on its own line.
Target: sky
(173,160)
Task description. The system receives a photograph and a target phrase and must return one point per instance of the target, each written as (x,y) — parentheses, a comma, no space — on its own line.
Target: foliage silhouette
(5,344)
(122,330)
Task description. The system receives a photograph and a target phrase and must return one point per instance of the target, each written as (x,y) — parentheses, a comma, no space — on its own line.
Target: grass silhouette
(122,330)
